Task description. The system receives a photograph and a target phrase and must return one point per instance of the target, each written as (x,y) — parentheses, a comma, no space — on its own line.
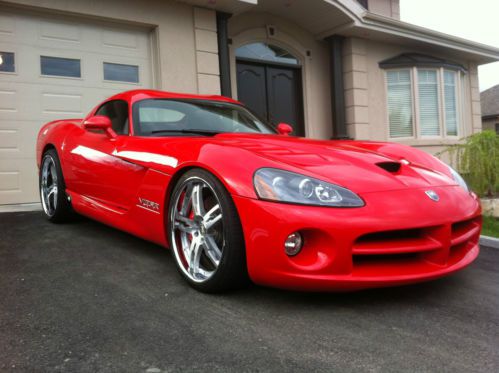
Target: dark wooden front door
(273,92)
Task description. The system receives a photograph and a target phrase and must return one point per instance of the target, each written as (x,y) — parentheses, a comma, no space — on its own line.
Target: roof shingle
(490,101)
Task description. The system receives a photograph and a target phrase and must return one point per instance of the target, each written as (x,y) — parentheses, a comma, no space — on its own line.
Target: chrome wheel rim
(48,186)
(197,229)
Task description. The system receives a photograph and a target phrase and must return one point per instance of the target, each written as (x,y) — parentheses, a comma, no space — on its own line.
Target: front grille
(396,242)
(464,231)
(417,244)
(386,258)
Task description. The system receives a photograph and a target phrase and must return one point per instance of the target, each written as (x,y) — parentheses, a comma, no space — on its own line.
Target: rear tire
(205,234)
(55,203)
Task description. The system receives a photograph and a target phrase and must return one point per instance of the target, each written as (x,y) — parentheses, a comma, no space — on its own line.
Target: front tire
(205,234)
(56,206)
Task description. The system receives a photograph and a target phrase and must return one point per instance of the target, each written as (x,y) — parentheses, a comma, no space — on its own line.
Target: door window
(117,112)
(266,53)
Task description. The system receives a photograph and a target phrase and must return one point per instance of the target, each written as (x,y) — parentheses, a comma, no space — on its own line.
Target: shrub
(477,159)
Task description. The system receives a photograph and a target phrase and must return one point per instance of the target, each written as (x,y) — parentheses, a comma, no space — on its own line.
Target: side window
(117,112)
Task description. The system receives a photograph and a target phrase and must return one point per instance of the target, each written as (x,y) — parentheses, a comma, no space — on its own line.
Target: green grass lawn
(490,226)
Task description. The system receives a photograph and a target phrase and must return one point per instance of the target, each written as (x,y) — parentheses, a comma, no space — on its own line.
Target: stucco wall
(312,53)
(366,56)
(183,50)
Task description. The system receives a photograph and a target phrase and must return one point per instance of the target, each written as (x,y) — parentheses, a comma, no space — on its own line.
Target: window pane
(450,102)
(7,62)
(121,73)
(163,117)
(266,52)
(151,114)
(400,103)
(429,118)
(60,66)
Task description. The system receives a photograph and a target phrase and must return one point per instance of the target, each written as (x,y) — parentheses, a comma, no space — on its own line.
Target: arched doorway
(269,83)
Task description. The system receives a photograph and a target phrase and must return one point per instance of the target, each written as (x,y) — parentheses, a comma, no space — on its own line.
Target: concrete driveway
(84,297)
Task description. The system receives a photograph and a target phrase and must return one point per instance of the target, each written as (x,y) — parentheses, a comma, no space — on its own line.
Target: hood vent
(389,166)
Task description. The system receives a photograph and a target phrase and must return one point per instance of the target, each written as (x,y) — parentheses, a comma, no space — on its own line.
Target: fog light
(293,244)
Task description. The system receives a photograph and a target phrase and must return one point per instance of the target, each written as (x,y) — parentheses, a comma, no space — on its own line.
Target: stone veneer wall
(476,110)
(208,70)
(356,88)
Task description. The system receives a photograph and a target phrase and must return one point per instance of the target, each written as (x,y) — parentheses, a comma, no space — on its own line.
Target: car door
(96,171)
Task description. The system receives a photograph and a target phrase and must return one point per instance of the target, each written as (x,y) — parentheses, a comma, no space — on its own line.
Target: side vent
(389,166)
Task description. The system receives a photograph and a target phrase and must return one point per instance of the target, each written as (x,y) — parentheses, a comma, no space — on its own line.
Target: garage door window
(121,73)
(56,66)
(7,62)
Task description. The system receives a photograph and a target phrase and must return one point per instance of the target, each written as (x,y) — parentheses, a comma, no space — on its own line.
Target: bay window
(423,102)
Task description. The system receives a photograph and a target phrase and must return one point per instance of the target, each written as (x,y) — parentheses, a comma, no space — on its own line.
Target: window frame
(413,70)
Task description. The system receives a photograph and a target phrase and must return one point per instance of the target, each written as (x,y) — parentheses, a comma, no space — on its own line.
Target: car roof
(141,94)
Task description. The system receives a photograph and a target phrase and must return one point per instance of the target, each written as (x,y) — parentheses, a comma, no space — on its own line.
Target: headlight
(459,179)
(284,186)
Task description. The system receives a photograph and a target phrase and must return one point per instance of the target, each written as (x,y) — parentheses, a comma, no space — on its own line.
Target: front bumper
(399,237)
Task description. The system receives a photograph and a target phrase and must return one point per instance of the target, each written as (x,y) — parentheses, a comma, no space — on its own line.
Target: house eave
(375,26)
(349,18)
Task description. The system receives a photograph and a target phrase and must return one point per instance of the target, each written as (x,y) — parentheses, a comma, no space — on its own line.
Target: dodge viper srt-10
(237,200)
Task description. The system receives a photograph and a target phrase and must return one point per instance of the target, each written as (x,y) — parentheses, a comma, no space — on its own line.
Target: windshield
(167,117)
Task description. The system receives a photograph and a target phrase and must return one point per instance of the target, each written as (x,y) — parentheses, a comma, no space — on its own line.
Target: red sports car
(236,199)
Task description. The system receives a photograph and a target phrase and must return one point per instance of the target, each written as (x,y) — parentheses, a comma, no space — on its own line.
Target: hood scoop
(392,167)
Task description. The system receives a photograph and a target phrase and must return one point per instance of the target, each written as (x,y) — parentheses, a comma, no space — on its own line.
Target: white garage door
(54,68)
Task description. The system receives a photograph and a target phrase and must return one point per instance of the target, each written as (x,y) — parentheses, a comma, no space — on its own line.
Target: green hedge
(477,159)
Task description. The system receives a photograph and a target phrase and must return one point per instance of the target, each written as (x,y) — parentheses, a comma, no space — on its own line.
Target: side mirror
(100,122)
(284,129)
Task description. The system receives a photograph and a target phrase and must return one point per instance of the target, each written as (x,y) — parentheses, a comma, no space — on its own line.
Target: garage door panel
(8,100)
(18,139)
(28,67)
(25,103)
(60,32)
(44,103)
(18,181)
(9,181)
(9,139)
(7,25)
(61,103)
(120,40)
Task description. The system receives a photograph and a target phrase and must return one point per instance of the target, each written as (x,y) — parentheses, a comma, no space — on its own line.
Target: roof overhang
(377,27)
(324,18)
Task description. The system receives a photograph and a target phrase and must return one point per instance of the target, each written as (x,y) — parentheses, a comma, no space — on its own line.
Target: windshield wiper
(193,131)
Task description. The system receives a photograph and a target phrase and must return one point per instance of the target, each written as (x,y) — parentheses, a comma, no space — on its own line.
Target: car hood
(360,166)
